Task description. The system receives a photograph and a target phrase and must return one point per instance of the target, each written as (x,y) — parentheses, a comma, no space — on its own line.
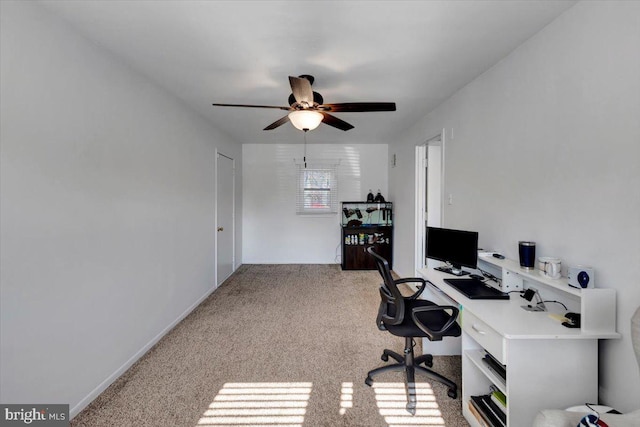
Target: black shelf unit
(366,224)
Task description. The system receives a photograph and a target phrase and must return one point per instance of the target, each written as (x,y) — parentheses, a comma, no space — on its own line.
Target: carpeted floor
(276,345)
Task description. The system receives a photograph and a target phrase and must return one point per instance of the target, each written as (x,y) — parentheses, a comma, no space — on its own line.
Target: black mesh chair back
(391,300)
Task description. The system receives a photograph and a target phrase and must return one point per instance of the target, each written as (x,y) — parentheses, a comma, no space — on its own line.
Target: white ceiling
(414,53)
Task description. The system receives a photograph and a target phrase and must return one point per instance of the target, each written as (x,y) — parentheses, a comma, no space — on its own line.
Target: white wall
(272,232)
(545,146)
(107,213)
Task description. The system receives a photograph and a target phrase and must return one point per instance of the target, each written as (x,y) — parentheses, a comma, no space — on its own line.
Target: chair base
(410,366)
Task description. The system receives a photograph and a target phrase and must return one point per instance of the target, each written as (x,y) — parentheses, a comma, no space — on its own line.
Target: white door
(224,217)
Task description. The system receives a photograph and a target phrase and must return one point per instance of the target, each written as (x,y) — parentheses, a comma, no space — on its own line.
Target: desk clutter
(578,276)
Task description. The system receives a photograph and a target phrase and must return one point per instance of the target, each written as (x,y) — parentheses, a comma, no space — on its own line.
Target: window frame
(330,186)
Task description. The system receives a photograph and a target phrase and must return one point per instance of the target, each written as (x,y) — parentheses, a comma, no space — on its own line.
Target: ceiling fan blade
(253,106)
(277,123)
(358,107)
(301,89)
(335,122)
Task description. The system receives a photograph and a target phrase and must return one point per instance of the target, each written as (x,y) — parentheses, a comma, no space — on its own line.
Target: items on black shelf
(365,238)
(370,197)
(365,224)
(378,198)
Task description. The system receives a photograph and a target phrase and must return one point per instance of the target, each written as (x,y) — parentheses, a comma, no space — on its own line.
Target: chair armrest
(413,280)
(382,308)
(435,334)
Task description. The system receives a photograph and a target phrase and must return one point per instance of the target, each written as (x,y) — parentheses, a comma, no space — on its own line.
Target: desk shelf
(597,306)
(476,356)
(561,284)
(477,380)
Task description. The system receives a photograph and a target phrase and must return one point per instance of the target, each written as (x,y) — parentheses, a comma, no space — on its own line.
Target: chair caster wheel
(411,408)
(369,381)
(429,362)
(452,393)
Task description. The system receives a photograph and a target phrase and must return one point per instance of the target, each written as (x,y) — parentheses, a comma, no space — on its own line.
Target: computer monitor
(458,248)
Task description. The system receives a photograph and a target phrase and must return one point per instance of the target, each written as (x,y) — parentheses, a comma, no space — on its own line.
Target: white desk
(548,365)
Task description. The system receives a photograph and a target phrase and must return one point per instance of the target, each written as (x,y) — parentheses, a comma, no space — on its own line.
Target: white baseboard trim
(121,370)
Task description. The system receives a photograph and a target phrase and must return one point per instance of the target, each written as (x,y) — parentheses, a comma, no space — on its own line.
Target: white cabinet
(541,373)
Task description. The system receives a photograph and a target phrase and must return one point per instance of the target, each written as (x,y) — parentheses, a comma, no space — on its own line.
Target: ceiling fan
(307,108)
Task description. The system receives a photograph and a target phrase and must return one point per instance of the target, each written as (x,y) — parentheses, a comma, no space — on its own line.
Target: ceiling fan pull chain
(304,158)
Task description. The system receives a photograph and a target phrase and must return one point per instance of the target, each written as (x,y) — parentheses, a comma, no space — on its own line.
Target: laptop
(476,289)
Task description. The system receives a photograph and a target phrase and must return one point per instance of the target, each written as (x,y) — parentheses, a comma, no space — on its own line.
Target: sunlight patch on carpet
(258,404)
(391,399)
(346,397)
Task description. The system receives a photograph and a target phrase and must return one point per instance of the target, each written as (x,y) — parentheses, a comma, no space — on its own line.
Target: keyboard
(476,289)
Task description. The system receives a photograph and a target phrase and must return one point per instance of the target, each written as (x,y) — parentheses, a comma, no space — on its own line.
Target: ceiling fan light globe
(305,119)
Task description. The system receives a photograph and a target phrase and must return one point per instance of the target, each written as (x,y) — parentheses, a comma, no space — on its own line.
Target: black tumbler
(527,252)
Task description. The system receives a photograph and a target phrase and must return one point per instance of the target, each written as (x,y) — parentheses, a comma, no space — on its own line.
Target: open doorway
(429,192)
(430,211)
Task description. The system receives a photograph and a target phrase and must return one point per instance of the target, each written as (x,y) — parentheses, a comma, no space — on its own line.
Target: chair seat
(433,319)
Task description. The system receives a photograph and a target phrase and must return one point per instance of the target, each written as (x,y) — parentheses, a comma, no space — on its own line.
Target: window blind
(317,186)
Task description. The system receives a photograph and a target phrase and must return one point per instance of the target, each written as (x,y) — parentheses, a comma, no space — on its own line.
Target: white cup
(550,267)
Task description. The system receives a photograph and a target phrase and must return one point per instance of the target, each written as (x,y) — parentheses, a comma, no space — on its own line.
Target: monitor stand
(451,270)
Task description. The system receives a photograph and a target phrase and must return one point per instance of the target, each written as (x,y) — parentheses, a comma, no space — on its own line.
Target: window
(317,190)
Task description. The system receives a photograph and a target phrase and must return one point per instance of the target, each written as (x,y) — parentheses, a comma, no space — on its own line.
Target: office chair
(411,318)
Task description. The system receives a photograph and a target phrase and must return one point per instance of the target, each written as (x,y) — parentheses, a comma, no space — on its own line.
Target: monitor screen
(456,247)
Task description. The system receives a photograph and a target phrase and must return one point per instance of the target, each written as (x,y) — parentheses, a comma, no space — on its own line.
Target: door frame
(421,194)
(233,215)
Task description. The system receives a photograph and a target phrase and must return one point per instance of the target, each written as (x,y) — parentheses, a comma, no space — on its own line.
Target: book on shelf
(496,410)
(489,411)
(476,413)
(495,366)
(499,398)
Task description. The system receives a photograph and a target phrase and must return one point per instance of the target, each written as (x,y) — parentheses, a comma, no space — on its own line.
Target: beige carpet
(276,345)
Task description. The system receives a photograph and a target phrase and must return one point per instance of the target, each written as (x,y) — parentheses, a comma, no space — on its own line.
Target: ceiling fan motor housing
(317,99)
